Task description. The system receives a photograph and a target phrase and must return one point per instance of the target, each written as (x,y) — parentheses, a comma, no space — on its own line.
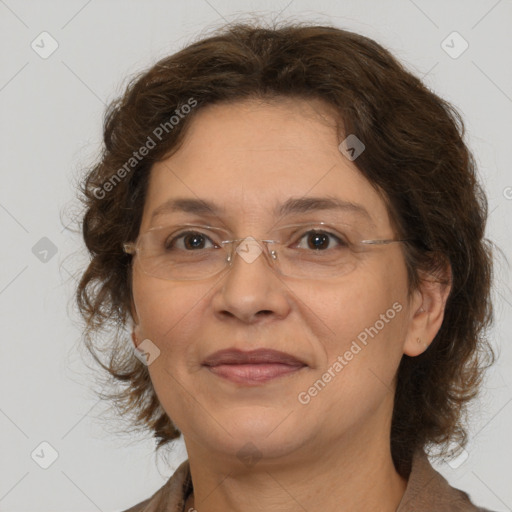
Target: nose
(251,290)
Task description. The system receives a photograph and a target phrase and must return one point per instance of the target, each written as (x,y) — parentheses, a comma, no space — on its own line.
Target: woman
(290,224)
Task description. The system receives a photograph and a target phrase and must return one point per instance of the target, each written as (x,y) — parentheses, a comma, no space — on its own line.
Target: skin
(333,453)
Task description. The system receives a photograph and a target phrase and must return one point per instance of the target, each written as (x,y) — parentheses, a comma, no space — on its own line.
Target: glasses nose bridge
(250,254)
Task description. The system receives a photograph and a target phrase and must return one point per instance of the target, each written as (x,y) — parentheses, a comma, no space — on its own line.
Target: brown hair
(415,156)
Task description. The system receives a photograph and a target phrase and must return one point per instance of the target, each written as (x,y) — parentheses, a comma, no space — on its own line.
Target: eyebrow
(289,207)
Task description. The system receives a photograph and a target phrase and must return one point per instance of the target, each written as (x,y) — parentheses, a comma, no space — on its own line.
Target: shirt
(426,491)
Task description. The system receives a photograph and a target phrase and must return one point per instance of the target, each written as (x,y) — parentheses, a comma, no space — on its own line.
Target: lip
(258,356)
(252,367)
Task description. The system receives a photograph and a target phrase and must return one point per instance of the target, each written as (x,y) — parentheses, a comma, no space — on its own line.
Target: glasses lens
(315,252)
(182,253)
(306,251)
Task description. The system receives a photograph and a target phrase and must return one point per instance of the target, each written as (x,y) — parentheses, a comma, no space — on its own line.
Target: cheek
(164,312)
(364,315)
(169,315)
(356,301)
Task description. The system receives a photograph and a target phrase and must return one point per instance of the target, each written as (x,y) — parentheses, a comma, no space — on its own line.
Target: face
(248,158)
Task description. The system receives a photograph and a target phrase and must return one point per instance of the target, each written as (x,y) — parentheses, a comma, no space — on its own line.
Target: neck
(351,478)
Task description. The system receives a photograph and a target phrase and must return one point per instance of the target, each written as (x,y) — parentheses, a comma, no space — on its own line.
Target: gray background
(51,130)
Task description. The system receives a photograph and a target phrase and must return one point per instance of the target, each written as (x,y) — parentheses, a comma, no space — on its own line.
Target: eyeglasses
(308,251)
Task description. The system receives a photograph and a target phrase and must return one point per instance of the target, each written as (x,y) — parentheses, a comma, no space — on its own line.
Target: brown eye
(189,241)
(194,241)
(320,240)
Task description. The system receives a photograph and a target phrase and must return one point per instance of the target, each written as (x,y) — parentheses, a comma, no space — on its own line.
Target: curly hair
(415,157)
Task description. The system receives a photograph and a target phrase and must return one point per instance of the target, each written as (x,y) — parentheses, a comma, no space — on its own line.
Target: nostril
(264,312)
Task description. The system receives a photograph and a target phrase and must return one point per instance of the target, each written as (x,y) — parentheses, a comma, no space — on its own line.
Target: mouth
(254,367)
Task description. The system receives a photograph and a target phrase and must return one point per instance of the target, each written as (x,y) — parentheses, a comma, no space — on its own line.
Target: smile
(254,374)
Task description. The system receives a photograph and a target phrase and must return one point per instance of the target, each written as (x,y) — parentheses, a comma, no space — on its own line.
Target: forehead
(249,158)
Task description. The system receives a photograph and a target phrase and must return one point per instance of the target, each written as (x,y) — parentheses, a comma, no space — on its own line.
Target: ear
(135,323)
(427,310)
(135,339)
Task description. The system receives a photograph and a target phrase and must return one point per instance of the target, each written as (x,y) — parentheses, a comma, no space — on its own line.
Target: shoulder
(427,489)
(171,496)
(139,507)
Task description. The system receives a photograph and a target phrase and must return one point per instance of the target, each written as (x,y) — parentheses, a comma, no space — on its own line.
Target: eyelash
(341,242)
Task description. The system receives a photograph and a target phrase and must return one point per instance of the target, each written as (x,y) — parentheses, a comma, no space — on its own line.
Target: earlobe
(415,342)
(134,339)
(427,313)
(135,323)
(133,312)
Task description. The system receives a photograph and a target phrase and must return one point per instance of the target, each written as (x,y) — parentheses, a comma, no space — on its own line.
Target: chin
(250,432)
